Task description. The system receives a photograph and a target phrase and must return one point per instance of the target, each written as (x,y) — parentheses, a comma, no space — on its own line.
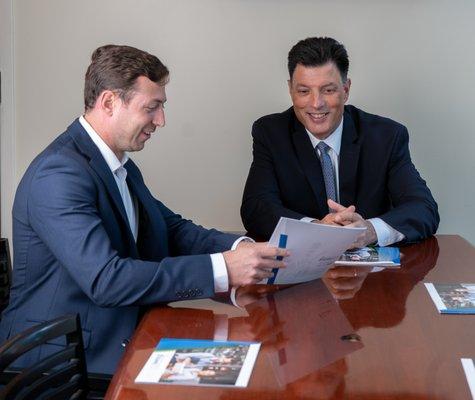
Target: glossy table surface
(382,339)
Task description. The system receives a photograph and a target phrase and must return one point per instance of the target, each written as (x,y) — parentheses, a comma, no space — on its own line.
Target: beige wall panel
(413,61)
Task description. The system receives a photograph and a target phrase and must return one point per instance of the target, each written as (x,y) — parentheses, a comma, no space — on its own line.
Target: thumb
(333,205)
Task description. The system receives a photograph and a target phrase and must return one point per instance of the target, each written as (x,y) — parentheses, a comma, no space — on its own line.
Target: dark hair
(117,68)
(317,51)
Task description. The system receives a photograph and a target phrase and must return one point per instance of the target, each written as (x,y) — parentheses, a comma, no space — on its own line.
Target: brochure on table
(388,257)
(200,363)
(313,248)
(453,298)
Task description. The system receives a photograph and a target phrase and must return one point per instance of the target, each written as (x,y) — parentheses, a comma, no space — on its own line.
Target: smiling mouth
(317,117)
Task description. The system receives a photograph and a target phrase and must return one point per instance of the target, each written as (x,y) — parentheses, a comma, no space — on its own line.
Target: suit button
(124,343)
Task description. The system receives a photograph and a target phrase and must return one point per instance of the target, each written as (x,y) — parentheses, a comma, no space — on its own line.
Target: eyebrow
(329,84)
(155,103)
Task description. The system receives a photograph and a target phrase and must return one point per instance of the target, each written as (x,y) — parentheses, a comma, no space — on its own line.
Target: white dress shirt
(385,233)
(220,272)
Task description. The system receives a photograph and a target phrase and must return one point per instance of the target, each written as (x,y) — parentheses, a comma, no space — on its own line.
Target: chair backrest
(61,375)
(5,273)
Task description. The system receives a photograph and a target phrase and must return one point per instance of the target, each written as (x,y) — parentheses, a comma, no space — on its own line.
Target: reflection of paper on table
(312,345)
(313,248)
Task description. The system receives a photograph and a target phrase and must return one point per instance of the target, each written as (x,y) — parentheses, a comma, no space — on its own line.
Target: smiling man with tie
(324,161)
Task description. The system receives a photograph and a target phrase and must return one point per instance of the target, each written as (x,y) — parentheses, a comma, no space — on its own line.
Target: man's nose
(317,100)
(159,118)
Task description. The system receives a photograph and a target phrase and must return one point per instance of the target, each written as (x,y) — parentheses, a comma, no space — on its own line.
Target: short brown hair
(317,51)
(116,68)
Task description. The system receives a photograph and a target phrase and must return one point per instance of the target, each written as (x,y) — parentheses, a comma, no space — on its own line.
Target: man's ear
(107,100)
(346,88)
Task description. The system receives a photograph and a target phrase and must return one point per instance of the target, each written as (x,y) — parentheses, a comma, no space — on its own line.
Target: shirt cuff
(241,239)
(220,273)
(307,219)
(232,296)
(386,234)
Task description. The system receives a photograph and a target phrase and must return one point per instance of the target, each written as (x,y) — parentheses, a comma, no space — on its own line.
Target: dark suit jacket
(74,250)
(376,175)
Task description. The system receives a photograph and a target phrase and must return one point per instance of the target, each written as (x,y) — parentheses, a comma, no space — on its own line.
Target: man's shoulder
(280,118)
(274,124)
(63,149)
(368,122)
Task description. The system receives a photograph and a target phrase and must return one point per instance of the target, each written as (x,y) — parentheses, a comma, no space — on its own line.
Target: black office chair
(5,273)
(61,375)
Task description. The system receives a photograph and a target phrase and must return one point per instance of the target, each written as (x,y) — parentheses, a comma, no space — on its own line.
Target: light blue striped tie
(328,170)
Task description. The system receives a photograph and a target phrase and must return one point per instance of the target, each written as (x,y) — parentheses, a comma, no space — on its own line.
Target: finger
(348,218)
(336,207)
(269,264)
(345,217)
(341,272)
(333,205)
(267,252)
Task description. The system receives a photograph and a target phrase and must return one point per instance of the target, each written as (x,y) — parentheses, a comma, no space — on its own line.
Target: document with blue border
(313,248)
(200,363)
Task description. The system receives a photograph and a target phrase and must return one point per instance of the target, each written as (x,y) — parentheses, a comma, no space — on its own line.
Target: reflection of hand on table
(344,281)
(262,324)
(246,295)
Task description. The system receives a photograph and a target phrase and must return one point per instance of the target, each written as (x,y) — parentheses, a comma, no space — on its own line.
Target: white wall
(413,61)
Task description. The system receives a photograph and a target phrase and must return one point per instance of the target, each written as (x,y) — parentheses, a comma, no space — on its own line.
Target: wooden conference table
(386,342)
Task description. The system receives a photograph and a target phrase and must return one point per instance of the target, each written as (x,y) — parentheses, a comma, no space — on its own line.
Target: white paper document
(313,248)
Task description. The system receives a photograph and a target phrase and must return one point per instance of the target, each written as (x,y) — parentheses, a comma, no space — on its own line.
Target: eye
(154,108)
(329,90)
(302,91)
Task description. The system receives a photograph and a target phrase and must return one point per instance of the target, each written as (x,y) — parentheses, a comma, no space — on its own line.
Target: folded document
(313,248)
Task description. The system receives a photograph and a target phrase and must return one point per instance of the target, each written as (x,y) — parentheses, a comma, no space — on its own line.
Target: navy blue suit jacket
(376,175)
(74,251)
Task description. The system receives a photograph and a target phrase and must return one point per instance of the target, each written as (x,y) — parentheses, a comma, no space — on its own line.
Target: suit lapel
(310,164)
(152,240)
(99,165)
(348,165)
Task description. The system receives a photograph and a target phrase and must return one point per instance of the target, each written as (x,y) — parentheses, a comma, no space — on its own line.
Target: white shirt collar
(334,140)
(111,159)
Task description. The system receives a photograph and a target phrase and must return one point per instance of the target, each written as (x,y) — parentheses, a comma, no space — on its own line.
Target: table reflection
(301,330)
(394,285)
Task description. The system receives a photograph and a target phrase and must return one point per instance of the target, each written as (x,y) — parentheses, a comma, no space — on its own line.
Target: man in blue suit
(90,238)
(320,156)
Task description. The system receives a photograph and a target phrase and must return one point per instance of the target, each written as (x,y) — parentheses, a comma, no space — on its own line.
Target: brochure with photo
(468,365)
(453,298)
(200,363)
(388,257)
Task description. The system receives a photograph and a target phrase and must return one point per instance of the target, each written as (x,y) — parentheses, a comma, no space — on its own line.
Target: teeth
(320,115)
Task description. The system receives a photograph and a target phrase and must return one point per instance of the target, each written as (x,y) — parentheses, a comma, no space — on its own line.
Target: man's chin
(320,132)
